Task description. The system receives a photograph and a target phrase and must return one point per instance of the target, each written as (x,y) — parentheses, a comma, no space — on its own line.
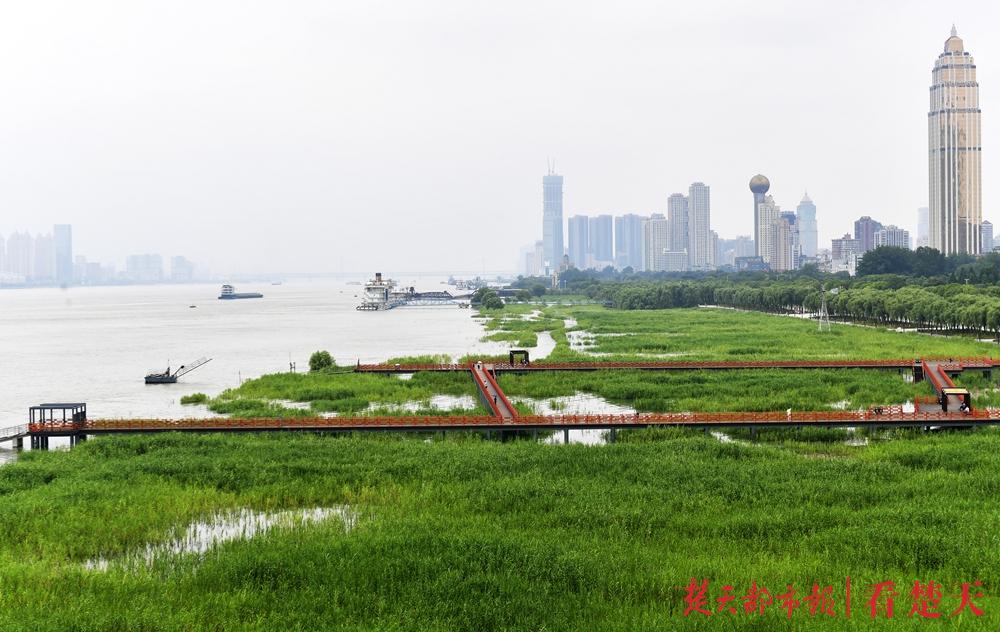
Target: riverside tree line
(894,286)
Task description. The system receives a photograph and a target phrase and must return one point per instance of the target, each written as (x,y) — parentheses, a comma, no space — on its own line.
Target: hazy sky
(413,135)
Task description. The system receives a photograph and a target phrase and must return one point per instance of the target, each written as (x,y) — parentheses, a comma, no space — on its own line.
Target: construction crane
(166,377)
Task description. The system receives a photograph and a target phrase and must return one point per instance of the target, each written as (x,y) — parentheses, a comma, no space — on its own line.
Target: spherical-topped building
(759,184)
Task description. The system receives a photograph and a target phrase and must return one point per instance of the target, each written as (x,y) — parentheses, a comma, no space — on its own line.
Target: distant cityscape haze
(307,136)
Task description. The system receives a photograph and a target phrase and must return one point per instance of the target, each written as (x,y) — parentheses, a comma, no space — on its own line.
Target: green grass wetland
(423,532)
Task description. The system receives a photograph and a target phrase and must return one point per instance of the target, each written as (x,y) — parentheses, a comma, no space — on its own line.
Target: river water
(95,344)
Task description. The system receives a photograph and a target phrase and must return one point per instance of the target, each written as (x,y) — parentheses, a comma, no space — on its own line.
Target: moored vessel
(170,377)
(380,295)
(229,293)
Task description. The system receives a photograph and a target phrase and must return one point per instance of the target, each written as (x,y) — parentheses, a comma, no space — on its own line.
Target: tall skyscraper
(786,244)
(628,242)
(552,219)
(62,234)
(677,215)
(759,185)
(20,254)
(768,214)
(538,259)
(579,241)
(864,231)
(524,258)
(44,268)
(923,227)
(806,218)
(986,235)
(955,148)
(700,252)
(655,243)
(602,241)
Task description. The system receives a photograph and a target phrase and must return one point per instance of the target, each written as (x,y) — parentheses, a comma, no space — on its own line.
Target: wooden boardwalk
(890,416)
(717,365)
(504,416)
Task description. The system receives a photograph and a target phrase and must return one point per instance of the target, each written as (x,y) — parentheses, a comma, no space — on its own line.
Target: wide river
(94,345)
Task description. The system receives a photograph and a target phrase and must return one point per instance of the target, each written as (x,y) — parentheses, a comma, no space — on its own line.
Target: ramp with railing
(13,432)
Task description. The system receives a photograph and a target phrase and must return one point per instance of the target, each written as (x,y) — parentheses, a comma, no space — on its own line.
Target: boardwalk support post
(566,436)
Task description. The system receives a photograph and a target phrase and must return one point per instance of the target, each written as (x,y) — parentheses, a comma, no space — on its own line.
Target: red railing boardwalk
(504,416)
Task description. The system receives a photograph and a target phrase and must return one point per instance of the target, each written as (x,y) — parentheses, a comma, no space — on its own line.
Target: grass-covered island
(418,532)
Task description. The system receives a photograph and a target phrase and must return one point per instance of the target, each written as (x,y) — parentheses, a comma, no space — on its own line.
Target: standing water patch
(243,524)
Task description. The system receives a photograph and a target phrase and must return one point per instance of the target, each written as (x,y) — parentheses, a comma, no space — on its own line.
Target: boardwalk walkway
(14,432)
(489,390)
(943,410)
(890,416)
(720,365)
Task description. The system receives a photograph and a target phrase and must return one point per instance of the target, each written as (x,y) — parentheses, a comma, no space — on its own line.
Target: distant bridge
(434,298)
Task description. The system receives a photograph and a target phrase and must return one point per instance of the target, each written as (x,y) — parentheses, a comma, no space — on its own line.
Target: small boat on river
(170,377)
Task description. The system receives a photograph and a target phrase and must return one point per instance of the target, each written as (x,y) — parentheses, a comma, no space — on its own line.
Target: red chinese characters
(926,600)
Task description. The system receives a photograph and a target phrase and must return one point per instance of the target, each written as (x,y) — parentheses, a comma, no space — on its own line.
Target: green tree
(321,360)
(487,298)
(886,260)
(492,301)
(928,262)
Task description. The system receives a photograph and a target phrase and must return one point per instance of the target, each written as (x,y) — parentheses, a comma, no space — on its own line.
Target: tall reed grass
(488,536)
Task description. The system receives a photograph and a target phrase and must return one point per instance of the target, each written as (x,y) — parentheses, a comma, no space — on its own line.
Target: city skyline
(48,259)
(272,147)
(785,240)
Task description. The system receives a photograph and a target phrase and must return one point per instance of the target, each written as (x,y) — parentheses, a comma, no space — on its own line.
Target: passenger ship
(380,295)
